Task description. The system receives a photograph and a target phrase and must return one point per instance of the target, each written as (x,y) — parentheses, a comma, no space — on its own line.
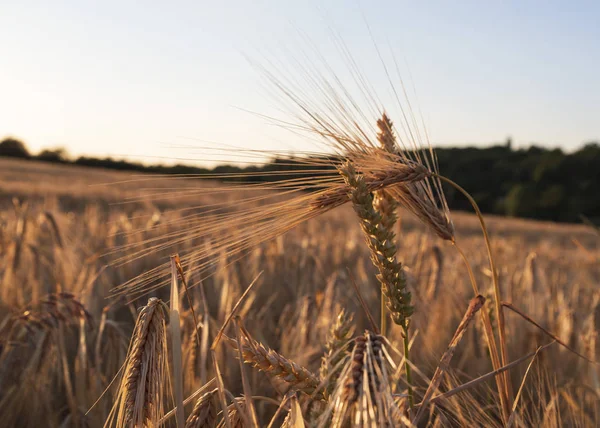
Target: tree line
(536,182)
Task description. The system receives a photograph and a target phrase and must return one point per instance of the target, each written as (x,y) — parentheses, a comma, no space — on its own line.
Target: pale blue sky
(133,78)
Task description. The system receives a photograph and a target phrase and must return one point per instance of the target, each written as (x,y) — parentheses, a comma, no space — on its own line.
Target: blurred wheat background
(63,338)
(260,214)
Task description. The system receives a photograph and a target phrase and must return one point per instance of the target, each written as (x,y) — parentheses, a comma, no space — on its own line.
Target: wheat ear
(274,364)
(363,396)
(383,201)
(380,241)
(235,417)
(204,414)
(143,385)
(338,349)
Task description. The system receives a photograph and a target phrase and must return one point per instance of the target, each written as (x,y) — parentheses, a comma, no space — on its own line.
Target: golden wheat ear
(143,385)
(337,349)
(362,396)
(235,416)
(274,364)
(383,202)
(204,414)
(424,198)
(383,251)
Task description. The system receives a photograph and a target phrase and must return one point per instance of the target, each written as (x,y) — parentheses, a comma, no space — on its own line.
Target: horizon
(161,161)
(134,83)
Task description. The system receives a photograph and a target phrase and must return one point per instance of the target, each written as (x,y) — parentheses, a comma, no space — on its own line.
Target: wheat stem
(405,342)
(382,309)
(497,296)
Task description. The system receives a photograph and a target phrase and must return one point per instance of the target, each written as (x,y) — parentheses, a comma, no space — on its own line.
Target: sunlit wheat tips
(267,211)
(383,202)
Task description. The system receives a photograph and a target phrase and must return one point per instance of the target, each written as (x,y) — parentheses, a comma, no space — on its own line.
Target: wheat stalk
(435,278)
(474,306)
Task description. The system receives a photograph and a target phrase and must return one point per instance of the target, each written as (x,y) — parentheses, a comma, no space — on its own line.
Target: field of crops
(65,334)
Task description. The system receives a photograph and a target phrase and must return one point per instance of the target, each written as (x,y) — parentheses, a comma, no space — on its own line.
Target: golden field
(59,354)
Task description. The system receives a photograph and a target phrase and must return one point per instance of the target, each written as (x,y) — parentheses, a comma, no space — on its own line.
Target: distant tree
(549,167)
(521,201)
(58,155)
(13,148)
(591,145)
(552,198)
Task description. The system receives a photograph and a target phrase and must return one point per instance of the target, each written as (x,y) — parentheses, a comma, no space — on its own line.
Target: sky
(147,80)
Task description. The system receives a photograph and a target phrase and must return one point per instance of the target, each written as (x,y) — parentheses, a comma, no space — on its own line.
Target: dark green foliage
(13,148)
(58,155)
(545,184)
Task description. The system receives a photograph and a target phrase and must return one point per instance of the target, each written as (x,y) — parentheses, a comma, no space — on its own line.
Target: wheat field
(65,352)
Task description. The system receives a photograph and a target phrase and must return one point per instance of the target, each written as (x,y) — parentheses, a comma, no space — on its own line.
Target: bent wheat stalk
(497,298)
(474,305)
